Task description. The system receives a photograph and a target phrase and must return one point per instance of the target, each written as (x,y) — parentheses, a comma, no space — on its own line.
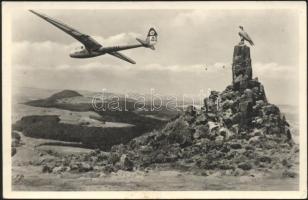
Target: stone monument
(241,66)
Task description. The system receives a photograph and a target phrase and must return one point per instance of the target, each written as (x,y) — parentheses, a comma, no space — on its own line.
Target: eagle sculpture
(244,36)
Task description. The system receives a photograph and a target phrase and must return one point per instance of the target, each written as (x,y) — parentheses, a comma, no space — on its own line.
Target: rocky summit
(235,132)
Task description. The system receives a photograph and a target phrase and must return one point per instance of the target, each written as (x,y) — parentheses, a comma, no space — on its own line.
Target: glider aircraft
(92,48)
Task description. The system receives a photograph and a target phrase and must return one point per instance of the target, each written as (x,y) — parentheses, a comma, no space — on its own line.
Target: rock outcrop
(16,142)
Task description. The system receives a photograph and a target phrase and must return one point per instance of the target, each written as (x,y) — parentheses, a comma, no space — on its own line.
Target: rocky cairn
(237,131)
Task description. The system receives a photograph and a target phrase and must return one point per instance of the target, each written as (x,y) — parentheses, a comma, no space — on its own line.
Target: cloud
(118,39)
(195,17)
(271,70)
(55,56)
(38,54)
(26,47)
(275,70)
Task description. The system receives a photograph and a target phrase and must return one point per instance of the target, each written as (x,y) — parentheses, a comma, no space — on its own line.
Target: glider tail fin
(151,39)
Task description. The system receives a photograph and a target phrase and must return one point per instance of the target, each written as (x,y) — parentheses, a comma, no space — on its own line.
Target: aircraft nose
(72,55)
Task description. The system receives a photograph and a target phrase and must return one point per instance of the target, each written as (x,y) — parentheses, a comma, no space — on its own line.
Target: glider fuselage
(84,53)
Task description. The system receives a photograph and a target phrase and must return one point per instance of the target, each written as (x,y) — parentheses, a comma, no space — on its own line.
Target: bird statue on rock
(244,36)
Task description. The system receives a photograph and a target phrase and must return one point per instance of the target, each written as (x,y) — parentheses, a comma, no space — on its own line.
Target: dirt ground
(28,177)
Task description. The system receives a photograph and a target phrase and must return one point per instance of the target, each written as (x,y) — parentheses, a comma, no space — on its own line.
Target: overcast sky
(188,41)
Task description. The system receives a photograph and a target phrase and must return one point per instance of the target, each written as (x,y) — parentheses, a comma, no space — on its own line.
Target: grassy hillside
(49,127)
(54,126)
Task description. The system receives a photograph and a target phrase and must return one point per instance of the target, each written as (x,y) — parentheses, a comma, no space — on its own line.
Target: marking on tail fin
(150,40)
(152,37)
(152,32)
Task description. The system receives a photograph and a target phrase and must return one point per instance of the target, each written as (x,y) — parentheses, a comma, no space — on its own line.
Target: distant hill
(64,94)
(82,101)
(52,101)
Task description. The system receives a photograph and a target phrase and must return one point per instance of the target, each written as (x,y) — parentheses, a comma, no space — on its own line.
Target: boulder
(103,156)
(254,83)
(270,109)
(254,140)
(219,139)
(126,163)
(15,135)
(58,169)
(257,122)
(15,142)
(201,120)
(211,116)
(73,166)
(147,160)
(260,103)
(13,151)
(190,110)
(196,135)
(108,169)
(171,158)
(84,167)
(235,129)
(225,166)
(227,104)
(160,158)
(201,131)
(245,108)
(245,166)
(213,126)
(211,103)
(19,178)
(249,95)
(237,81)
(225,133)
(286,163)
(235,146)
(266,159)
(236,118)
(289,173)
(182,137)
(238,172)
(146,149)
(47,168)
